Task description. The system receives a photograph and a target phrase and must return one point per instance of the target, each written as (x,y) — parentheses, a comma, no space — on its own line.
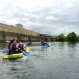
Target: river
(59,61)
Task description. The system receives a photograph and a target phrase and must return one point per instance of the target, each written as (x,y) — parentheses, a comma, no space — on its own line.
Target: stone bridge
(8,32)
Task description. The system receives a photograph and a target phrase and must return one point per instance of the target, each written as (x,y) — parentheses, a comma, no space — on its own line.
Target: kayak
(44,46)
(27,49)
(13,56)
(22,55)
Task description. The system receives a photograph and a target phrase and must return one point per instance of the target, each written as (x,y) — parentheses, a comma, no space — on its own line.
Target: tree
(72,37)
(45,39)
(61,37)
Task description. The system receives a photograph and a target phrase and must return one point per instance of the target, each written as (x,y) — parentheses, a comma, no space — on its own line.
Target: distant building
(19,25)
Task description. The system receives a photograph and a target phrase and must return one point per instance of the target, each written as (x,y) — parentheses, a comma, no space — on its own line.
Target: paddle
(6,51)
(25,53)
(29,43)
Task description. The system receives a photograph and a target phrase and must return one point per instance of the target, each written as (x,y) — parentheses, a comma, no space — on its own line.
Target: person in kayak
(46,44)
(12,46)
(21,46)
(42,43)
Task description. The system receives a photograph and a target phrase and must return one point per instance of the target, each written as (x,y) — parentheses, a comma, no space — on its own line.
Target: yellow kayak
(19,55)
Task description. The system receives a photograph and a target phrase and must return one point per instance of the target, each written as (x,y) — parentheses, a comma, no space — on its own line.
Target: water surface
(60,61)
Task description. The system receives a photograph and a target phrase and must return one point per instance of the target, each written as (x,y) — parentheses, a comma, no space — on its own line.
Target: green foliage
(46,39)
(72,37)
(61,38)
(52,39)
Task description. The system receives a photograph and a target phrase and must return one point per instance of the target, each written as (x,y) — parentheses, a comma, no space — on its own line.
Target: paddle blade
(6,51)
(24,53)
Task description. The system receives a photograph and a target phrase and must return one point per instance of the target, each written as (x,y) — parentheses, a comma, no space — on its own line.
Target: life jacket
(21,46)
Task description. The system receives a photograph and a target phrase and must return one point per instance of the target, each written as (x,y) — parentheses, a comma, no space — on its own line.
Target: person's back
(46,43)
(42,43)
(21,45)
(12,46)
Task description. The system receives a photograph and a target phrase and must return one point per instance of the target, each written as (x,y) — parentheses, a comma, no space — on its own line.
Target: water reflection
(61,44)
(72,49)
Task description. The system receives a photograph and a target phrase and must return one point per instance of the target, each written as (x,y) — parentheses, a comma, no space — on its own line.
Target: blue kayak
(44,46)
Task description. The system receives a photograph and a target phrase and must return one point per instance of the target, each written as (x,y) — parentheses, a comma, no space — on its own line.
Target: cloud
(54,16)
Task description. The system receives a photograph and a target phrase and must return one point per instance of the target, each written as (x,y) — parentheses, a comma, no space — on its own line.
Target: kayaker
(42,43)
(46,43)
(12,46)
(21,46)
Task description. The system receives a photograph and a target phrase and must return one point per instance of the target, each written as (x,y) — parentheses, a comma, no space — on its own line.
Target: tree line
(71,37)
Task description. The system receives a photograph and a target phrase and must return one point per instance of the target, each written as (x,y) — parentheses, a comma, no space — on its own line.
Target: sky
(45,16)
